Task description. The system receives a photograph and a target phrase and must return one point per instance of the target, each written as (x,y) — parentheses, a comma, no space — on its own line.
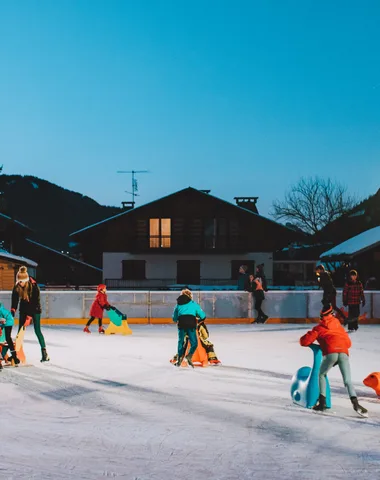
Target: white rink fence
(157,307)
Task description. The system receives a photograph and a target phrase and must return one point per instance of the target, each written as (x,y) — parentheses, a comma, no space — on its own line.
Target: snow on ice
(114,407)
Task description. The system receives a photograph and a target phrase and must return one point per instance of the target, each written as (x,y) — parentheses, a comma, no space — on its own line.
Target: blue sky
(240,97)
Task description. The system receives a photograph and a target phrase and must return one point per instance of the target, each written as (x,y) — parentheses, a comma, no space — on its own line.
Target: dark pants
(329,299)
(192,334)
(8,339)
(36,324)
(259,298)
(100,321)
(353,317)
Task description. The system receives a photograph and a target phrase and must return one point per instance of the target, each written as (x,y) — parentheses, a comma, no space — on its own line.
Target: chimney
(249,203)
(127,206)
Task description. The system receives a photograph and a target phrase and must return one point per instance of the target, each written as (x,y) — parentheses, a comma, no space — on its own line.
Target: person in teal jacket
(6,325)
(185,315)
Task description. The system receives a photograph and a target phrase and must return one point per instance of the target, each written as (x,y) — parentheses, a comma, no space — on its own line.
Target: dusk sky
(240,97)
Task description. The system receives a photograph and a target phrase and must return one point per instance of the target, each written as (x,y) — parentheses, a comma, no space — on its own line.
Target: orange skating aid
(200,358)
(373,381)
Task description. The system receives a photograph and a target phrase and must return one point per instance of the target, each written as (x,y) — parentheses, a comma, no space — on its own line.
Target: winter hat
(187,292)
(22,275)
(320,267)
(326,311)
(354,272)
(101,287)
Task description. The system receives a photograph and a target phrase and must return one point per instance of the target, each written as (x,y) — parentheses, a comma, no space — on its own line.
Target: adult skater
(353,296)
(335,343)
(243,279)
(185,315)
(6,324)
(255,286)
(329,291)
(26,296)
(98,306)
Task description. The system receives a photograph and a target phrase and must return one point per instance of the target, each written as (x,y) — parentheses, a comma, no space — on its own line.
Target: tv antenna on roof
(135,187)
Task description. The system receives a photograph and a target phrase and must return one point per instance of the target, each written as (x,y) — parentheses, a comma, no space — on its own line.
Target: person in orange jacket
(97,308)
(335,344)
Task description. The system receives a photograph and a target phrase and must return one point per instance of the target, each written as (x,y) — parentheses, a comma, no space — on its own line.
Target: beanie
(354,272)
(22,275)
(326,311)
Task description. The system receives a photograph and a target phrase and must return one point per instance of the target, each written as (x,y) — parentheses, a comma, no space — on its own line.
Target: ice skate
(320,406)
(363,412)
(86,329)
(189,359)
(13,359)
(101,330)
(45,356)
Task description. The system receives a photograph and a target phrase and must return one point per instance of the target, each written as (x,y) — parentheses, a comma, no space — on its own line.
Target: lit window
(160,233)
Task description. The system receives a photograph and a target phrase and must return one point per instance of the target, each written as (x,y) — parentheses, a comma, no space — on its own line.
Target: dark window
(133,269)
(215,233)
(236,264)
(189,272)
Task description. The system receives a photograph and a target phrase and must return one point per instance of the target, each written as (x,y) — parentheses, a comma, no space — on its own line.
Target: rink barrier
(223,307)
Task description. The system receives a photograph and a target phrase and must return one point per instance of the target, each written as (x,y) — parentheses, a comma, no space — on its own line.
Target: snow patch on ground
(114,407)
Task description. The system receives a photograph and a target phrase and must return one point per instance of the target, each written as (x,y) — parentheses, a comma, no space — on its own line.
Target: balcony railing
(162,283)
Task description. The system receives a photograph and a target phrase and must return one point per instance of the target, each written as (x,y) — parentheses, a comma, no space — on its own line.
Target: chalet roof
(17,258)
(16,222)
(355,245)
(33,242)
(199,192)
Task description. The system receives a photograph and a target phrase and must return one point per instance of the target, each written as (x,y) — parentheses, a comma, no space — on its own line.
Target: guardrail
(283,305)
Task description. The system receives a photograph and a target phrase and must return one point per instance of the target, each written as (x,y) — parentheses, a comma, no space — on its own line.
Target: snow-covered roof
(127,212)
(353,246)
(18,259)
(63,254)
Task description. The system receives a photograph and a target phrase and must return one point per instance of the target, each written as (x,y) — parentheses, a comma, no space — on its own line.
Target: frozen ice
(114,407)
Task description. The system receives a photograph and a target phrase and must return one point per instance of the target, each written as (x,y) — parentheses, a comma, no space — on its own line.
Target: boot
(363,412)
(179,360)
(1,363)
(101,330)
(320,406)
(14,360)
(189,359)
(45,356)
(86,329)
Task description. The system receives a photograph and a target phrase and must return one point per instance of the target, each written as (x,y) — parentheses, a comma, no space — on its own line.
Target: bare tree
(313,203)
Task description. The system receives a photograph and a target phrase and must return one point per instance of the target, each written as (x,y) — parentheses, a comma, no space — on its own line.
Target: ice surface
(114,407)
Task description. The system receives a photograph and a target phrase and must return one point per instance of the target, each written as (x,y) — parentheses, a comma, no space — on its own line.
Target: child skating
(97,308)
(185,315)
(353,296)
(6,324)
(335,343)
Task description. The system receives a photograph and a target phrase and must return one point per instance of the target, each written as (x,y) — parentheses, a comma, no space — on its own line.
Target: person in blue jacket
(6,324)
(186,314)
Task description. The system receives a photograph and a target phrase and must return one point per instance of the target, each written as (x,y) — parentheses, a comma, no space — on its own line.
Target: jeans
(36,324)
(329,361)
(192,334)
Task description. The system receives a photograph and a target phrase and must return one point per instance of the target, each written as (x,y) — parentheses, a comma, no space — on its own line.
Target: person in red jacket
(335,343)
(353,296)
(97,308)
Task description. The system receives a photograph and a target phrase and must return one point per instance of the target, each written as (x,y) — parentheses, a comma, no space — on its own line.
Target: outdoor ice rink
(114,407)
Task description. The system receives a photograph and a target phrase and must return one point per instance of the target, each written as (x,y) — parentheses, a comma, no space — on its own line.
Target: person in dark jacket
(26,297)
(329,291)
(353,296)
(261,274)
(255,286)
(243,279)
(186,314)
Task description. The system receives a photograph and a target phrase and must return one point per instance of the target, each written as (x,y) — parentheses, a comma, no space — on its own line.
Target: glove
(13,311)
(363,303)
(112,308)
(108,307)
(2,321)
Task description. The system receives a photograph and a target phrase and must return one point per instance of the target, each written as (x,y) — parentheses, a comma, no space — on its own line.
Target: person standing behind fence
(329,291)
(243,279)
(26,295)
(260,274)
(353,296)
(256,288)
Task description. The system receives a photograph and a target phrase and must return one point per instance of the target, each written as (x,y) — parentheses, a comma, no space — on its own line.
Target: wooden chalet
(189,237)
